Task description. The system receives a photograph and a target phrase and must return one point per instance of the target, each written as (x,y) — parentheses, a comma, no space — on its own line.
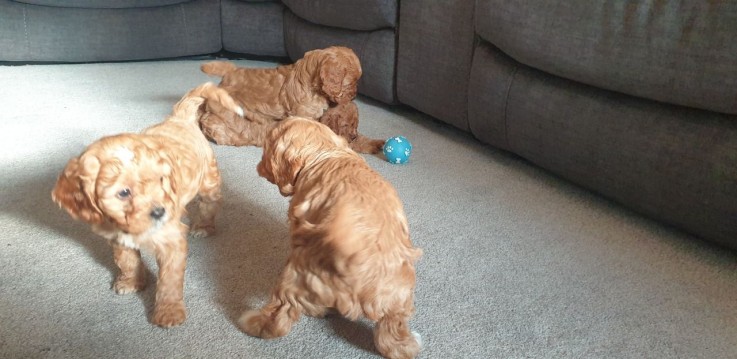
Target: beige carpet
(517,264)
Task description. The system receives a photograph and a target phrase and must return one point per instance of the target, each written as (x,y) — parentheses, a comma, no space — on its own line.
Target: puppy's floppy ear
(169,180)
(75,189)
(281,162)
(331,78)
(286,166)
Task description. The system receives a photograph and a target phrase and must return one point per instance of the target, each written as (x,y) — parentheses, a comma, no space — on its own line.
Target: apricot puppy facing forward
(133,188)
(350,245)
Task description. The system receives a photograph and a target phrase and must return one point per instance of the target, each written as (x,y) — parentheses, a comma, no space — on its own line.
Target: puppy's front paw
(202,231)
(251,322)
(256,324)
(169,315)
(126,285)
(377,146)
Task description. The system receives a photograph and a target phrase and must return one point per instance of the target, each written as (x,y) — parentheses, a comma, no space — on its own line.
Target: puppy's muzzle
(158,212)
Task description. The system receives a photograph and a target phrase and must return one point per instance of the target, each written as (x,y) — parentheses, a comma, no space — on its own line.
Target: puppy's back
(356,210)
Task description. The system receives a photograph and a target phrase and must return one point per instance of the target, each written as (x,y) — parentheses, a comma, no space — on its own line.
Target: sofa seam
(364,41)
(506,106)
(25,32)
(222,24)
(186,31)
(395,75)
(475,42)
(474,45)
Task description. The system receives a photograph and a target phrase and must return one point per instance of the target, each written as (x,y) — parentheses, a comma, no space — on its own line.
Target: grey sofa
(107,30)
(634,100)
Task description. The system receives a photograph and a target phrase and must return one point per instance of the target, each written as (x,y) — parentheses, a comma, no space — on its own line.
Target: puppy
(343,120)
(133,188)
(309,87)
(350,245)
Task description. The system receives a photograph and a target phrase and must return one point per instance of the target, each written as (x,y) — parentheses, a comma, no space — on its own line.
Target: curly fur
(133,188)
(350,245)
(324,80)
(343,120)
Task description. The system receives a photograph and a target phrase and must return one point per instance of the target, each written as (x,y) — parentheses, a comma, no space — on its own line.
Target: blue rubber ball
(397,149)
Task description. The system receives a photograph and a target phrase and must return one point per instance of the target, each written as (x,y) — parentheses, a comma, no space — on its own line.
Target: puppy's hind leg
(276,318)
(209,203)
(393,338)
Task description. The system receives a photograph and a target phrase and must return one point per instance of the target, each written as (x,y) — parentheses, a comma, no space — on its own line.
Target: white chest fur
(127,240)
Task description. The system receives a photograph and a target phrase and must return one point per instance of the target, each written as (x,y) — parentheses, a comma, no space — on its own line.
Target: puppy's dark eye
(124,193)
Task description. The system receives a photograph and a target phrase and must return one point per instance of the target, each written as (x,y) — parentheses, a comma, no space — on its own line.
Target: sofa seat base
(75,34)
(672,163)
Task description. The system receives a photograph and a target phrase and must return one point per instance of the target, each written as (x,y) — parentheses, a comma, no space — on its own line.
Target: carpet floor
(517,263)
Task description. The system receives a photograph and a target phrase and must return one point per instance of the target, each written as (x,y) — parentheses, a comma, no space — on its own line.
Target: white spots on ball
(389,149)
(398,139)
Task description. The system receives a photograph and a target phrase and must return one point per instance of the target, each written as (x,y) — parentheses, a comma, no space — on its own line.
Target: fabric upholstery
(492,74)
(672,163)
(365,15)
(676,52)
(42,33)
(434,58)
(253,27)
(375,49)
(102,4)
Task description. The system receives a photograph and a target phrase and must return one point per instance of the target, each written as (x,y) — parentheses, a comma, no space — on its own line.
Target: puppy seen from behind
(133,188)
(350,245)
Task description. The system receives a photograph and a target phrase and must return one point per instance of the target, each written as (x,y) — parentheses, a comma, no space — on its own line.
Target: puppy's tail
(189,106)
(218,68)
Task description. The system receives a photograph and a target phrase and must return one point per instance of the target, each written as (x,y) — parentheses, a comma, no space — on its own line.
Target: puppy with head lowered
(343,120)
(133,188)
(350,245)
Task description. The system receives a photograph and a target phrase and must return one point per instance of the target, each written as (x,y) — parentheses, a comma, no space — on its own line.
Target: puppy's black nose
(158,212)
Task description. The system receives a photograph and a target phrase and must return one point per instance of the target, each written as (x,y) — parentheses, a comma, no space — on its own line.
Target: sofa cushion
(671,163)
(434,58)
(102,4)
(492,75)
(365,15)
(65,34)
(253,27)
(666,51)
